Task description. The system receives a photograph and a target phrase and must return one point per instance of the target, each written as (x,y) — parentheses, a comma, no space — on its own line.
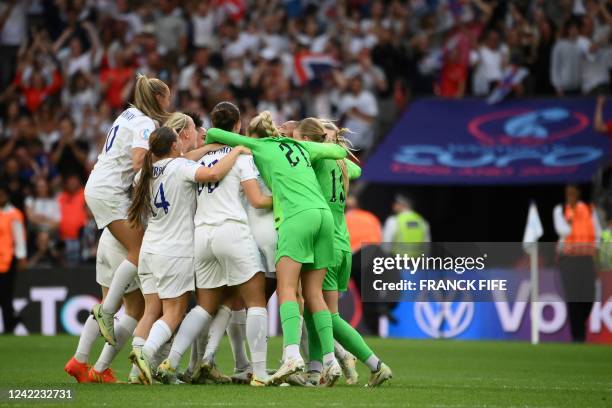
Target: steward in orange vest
(578,228)
(12,256)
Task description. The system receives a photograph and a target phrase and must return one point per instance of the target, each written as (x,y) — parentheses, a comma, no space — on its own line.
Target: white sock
(256,332)
(304,339)
(292,351)
(315,365)
(162,354)
(372,362)
(216,331)
(339,351)
(236,332)
(202,342)
(138,342)
(88,338)
(124,329)
(159,334)
(124,275)
(193,357)
(192,325)
(328,358)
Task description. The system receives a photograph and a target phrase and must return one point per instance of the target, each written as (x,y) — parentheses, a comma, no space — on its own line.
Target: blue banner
(441,141)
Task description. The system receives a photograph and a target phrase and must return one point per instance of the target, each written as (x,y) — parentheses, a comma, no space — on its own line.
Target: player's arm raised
(230,138)
(218,171)
(319,151)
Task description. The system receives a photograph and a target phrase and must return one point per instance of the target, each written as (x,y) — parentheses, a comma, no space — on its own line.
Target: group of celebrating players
(232,220)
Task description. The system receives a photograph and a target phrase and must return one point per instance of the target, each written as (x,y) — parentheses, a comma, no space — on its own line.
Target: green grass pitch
(427,373)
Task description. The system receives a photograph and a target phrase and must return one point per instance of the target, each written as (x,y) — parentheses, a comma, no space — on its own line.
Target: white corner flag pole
(533,232)
(535,307)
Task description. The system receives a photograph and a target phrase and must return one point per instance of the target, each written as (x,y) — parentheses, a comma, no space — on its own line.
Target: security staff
(406,230)
(12,256)
(578,228)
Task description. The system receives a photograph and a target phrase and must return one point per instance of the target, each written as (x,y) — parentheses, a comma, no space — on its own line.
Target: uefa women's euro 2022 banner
(468,141)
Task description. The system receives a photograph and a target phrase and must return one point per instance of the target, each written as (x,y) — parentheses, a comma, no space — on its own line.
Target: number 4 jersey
(173,200)
(113,173)
(222,201)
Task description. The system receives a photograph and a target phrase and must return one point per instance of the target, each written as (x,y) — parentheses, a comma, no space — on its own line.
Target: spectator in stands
(12,255)
(116,80)
(566,62)
(170,28)
(73,217)
(43,214)
(453,77)
(73,56)
(69,154)
(577,225)
(80,96)
(15,186)
(405,227)
(13,32)
(489,61)
(596,55)
(359,109)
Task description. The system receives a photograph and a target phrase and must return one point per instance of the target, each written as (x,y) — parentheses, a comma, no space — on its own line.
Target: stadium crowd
(67,67)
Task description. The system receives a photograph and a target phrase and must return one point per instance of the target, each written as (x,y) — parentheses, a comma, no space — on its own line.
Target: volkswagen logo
(443,319)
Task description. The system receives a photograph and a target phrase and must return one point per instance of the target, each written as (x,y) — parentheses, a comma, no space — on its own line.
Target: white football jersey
(222,201)
(113,173)
(173,201)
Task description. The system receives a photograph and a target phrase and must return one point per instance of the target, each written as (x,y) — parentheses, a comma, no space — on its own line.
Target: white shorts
(168,276)
(110,254)
(262,228)
(226,255)
(107,211)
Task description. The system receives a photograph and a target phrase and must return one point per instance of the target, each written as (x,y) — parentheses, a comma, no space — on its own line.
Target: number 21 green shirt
(286,167)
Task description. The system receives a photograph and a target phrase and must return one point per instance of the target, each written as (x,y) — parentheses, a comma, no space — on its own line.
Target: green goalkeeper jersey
(285,166)
(329,175)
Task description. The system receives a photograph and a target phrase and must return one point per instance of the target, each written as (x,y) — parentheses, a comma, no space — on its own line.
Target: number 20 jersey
(113,173)
(173,201)
(223,201)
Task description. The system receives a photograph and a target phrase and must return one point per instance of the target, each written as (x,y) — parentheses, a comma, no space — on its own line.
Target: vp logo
(443,319)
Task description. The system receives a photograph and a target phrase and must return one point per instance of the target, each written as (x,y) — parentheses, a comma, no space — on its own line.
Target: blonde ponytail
(177,121)
(262,125)
(145,97)
(340,140)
